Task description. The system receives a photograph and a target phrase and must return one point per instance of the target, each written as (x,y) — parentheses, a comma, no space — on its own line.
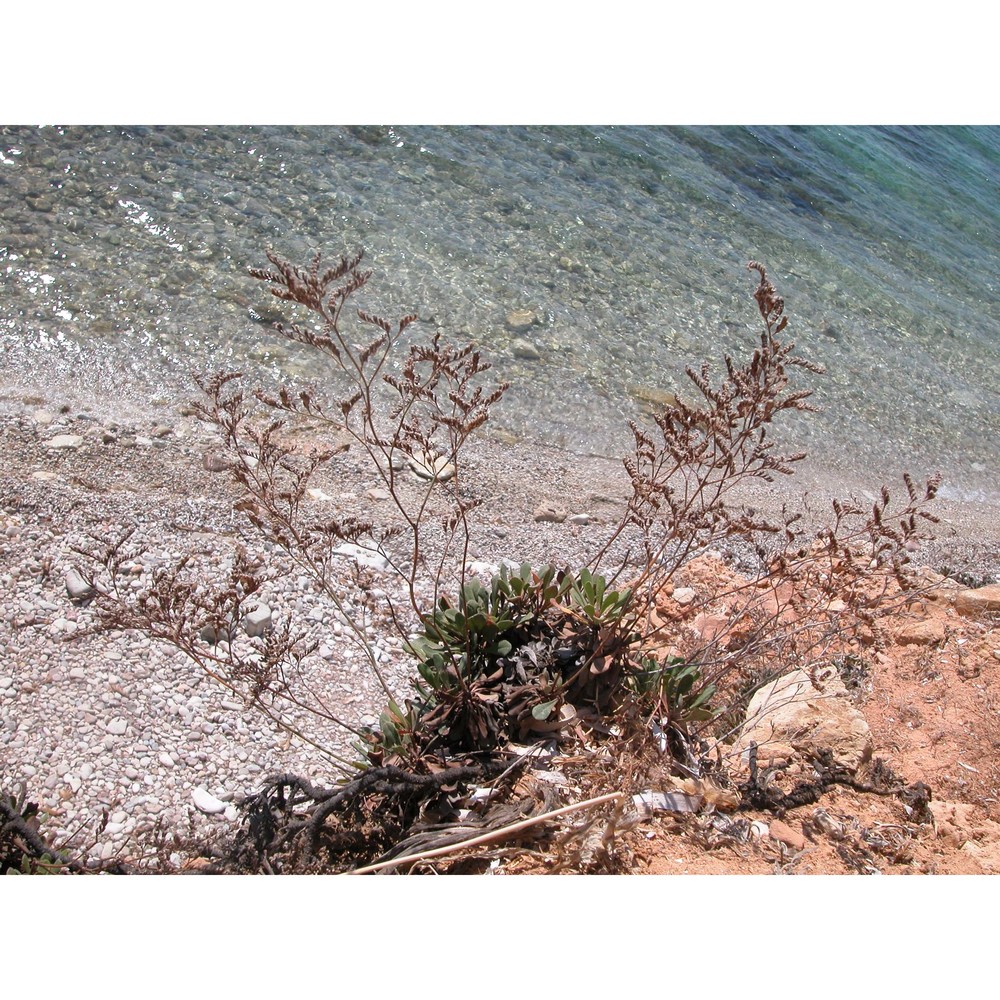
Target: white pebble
(207,802)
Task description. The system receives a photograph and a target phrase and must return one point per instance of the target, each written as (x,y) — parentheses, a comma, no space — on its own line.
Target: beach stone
(363,556)
(117,727)
(377,494)
(580,519)
(548,512)
(481,568)
(922,633)
(784,834)
(258,621)
(65,442)
(978,601)
(525,349)
(77,588)
(790,717)
(206,802)
(213,461)
(436,467)
(652,396)
(522,320)
(214,636)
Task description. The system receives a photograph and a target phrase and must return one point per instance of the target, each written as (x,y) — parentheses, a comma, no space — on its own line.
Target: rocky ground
(134,754)
(917,709)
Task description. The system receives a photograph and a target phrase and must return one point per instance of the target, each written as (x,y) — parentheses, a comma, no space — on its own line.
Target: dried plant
(27,849)
(684,474)
(805,603)
(420,415)
(544,651)
(410,408)
(24,850)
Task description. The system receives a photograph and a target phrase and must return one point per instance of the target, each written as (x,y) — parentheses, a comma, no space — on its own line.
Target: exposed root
(757,794)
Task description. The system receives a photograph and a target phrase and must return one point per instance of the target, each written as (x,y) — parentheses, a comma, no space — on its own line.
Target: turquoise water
(123,255)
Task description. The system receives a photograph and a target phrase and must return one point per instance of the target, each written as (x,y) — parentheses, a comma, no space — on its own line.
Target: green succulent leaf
(390,734)
(543,711)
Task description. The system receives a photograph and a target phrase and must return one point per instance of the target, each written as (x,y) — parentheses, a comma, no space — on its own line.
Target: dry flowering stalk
(685,475)
(410,408)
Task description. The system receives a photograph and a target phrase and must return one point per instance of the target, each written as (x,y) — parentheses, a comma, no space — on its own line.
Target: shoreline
(968,506)
(845,451)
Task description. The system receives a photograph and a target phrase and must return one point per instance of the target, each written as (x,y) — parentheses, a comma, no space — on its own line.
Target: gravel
(117,736)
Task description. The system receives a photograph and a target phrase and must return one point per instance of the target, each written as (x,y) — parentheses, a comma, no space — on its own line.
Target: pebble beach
(119,738)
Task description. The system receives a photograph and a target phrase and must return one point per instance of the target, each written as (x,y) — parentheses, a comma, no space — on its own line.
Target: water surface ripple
(123,255)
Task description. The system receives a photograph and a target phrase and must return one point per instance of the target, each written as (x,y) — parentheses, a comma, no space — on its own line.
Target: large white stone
(77,588)
(372,557)
(258,621)
(206,802)
(790,717)
(64,441)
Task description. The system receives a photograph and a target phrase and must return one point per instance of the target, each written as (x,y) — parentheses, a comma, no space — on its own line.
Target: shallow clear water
(123,256)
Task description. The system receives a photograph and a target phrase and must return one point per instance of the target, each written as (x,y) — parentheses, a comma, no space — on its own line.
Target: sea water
(124,256)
